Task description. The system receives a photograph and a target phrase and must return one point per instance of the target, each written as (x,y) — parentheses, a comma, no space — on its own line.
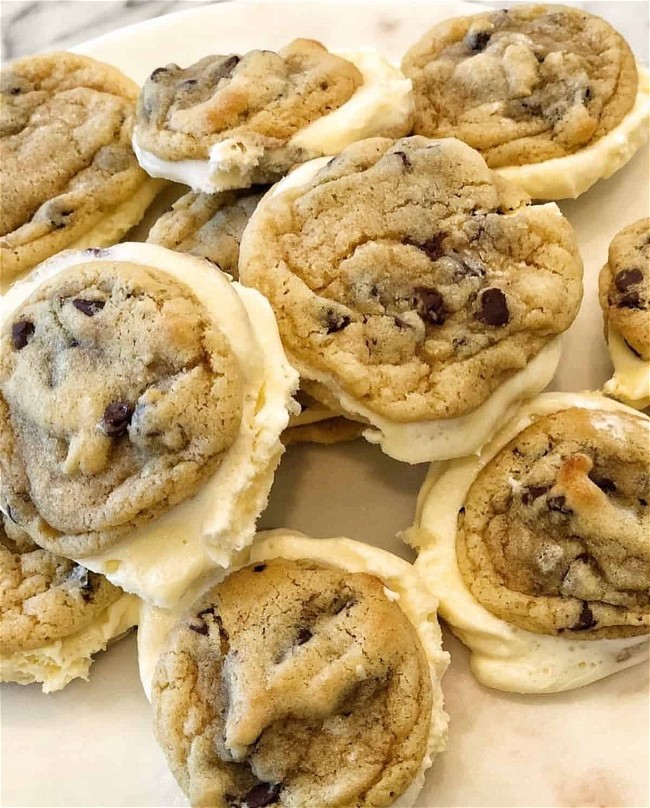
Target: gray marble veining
(30,26)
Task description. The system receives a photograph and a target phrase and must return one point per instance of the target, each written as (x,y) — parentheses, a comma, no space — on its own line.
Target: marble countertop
(29,27)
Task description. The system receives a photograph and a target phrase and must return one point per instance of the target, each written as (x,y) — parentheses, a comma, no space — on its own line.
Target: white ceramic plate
(92,744)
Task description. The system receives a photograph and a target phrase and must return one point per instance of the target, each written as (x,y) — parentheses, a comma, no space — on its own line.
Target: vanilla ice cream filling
(504,656)
(631,380)
(568,177)
(382,103)
(59,662)
(402,584)
(160,559)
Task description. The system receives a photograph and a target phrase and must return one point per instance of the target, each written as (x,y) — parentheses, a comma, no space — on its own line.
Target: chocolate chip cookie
(119,397)
(255,102)
(69,175)
(208,225)
(522,85)
(294,683)
(554,536)
(408,279)
(624,287)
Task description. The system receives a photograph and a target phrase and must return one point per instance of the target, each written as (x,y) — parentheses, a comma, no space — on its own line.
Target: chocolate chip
(532,492)
(88,307)
(204,612)
(199,626)
(558,504)
(21,333)
(494,308)
(632,300)
(628,277)
(432,246)
(643,502)
(404,158)
(14,91)
(262,794)
(157,73)
(82,579)
(477,40)
(259,568)
(605,484)
(336,322)
(231,62)
(304,635)
(430,305)
(586,619)
(461,511)
(116,419)
(587,94)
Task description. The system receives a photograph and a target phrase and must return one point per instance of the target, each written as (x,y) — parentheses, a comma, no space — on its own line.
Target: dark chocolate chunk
(558,504)
(605,484)
(586,619)
(259,568)
(21,333)
(157,73)
(262,794)
(304,635)
(478,40)
(631,300)
(404,158)
(430,305)
(461,511)
(116,419)
(88,307)
(336,322)
(494,308)
(432,246)
(628,277)
(532,492)
(586,94)
(643,502)
(199,626)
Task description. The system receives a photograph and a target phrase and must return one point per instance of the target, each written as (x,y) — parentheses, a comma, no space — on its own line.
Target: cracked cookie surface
(624,287)
(412,277)
(119,397)
(66,123)
(524,85)
(261,98)
(44,597)
(208,225)
(555,532)
(293,683)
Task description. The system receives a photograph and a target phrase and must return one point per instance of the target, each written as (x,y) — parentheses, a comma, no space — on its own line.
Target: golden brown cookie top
(66,123)
(522,85)
(119,396)
(208,225)
(555,533)
(44,597)
(262,97)
(412,276)
(624,287)
(293,683)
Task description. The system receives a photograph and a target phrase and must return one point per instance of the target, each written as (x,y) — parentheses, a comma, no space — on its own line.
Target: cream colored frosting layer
(402,584)
(58,663)
(505,656)
(568,177)
(159,560)
(383,103)
(631,380)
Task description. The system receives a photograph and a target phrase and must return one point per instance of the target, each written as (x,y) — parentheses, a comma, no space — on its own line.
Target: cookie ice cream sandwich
(238,120)
(415,290)
(312,676)
(539,547)
(142,398)
(55,614)
(68,172)
(550,95)
(624,291)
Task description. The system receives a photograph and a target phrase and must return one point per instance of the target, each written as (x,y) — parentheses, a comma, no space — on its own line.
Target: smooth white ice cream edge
(631,380)
(504,656)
